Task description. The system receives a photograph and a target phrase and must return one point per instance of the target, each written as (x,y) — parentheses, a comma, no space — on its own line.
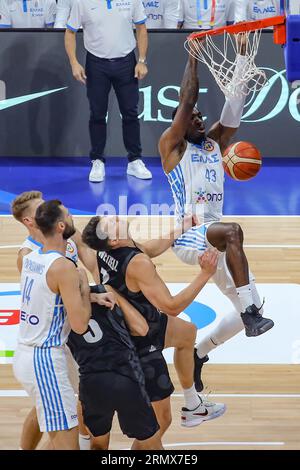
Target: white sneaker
(138,169)
(97,172)
(204,412)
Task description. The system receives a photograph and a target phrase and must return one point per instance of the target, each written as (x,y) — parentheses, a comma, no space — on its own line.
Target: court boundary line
(245,395)
(225,443)
(19,393)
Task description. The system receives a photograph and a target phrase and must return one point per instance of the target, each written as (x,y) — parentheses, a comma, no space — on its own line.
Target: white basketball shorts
(192,244)
(43,372)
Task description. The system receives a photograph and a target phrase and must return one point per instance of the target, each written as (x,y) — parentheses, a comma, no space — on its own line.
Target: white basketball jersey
(31,244)
(43,321)
(71,249)
(197,182)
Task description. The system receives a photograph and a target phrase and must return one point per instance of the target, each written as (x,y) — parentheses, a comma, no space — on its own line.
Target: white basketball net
(222,63)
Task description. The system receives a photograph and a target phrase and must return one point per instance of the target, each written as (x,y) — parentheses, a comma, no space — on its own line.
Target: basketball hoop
(222,61)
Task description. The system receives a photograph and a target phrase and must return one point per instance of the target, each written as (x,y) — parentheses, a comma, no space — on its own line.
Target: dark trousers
(101,75)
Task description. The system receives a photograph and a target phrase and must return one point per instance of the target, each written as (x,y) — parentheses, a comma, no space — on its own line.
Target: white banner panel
(281,345)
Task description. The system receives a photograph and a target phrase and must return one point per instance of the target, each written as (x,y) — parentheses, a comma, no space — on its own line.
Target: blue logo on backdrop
(201,315)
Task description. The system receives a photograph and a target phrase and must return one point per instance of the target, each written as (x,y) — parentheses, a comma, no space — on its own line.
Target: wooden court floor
(263,401)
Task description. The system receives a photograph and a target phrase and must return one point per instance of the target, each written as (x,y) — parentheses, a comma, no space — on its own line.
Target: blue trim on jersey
(25,6)
(193,238)
(65,422)
(55,417)
(44,391)
(49,24)
(183,185)
(53,389)
(53,324)
(49,251)
(59,324)
(176,190)
(176,181)
(5,26)
(32,240)
(200,230)
(190,244)
(199,146)
(71,29)
(141,22)
(39,382)
(53,410)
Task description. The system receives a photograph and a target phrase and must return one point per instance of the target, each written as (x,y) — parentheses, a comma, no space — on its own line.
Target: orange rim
(241,27)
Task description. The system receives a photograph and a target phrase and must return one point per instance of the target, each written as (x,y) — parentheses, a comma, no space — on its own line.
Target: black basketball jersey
(106,345)
(112,267)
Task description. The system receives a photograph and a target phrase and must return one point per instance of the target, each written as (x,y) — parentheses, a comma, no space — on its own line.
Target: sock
(191,398)
(84,442)
(205,346)
(255,295)
(245,295)
(228,327)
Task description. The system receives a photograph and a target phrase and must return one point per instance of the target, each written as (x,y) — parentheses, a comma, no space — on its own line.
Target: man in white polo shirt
(252,10)
(205,14)
(295,7)
(161,13)
(27,13)
(63,12)
(109,40)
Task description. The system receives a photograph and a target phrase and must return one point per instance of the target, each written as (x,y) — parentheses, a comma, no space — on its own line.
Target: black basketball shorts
(104,393)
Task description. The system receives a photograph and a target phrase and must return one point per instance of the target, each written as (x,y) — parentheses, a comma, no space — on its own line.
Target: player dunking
(192,161)
(55,298)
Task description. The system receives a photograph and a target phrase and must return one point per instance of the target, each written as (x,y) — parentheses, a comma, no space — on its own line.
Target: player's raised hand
(106,299)
(241,43)
(209,261)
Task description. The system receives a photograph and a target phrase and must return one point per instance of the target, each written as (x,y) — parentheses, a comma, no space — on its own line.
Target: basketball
(242,161)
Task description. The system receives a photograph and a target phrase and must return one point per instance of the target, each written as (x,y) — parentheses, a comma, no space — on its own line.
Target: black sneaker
(197,370)
(255,323)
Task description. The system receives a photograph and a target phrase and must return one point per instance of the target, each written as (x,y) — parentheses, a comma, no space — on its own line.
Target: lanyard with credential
(213,12)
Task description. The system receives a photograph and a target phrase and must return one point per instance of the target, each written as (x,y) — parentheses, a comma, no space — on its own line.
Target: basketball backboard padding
(292,48)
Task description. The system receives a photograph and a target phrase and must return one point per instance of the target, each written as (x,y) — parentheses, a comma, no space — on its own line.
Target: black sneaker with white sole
(255,323)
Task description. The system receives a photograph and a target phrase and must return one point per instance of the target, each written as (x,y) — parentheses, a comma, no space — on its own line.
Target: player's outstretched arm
(72,284)
(223,130)
(156,247)
(172,144)
(87,256)
(142,272)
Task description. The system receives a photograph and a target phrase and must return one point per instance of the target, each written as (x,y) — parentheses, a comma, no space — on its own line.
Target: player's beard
(69,231)
(197,139)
